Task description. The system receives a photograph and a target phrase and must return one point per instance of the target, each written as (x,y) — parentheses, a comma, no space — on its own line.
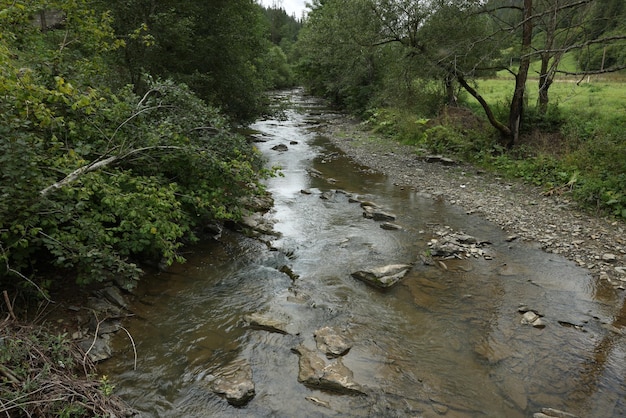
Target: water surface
(445,341)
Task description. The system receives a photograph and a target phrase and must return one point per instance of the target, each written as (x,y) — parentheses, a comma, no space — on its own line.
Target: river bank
(553,222)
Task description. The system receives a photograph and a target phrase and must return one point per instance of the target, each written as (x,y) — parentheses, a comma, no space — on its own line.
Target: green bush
(94,181)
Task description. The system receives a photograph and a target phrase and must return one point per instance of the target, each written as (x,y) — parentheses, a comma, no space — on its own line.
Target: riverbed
(450,339)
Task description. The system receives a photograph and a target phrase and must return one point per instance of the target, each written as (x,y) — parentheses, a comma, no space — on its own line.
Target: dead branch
(98,164)
(93,342)
(134,347)
(9,305)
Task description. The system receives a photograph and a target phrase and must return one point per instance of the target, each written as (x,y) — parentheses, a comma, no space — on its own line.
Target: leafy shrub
(93,181)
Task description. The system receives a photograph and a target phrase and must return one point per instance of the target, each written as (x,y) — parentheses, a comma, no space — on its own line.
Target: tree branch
(98,164)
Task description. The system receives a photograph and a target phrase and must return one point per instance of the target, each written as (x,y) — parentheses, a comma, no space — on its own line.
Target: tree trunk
(545,81)
(546,75)
(451,99)
(502,128)
(517,102)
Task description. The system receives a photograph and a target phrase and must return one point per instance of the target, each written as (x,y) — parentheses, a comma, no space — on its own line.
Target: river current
(448,340)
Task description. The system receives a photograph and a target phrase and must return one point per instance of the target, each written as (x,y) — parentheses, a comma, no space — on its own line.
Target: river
(448,340)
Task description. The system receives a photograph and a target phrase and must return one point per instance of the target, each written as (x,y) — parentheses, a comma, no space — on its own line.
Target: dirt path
(598,244)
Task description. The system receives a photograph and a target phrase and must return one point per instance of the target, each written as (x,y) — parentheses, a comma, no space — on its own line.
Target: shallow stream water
(447,341)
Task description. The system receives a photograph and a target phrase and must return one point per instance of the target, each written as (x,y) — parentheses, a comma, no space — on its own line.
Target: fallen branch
(93,342)
(52,386)
(9,306)
(98,164)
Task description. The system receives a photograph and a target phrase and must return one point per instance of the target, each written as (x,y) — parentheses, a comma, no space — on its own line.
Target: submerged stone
(234,382)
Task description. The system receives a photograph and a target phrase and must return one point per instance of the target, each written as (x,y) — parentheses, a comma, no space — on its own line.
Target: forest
(120,121)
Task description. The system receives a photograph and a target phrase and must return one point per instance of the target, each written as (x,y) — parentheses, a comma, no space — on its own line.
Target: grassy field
(597,98)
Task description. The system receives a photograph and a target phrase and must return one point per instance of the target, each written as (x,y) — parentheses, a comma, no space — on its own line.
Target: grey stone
(234,382)
(383,277)
(97,350)
(390,226)
(609,258)
(331,342)
(114,295)
(265,323)
(315,373)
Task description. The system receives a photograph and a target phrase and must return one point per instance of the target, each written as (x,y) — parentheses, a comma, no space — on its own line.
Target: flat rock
(331,342)
(553,413)
(114,295)
(266,323)
(372,211)
(97,350)
(439,159)
(390,226)
(383,277)
(315,373)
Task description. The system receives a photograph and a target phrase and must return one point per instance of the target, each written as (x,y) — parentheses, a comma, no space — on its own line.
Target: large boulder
(383,277)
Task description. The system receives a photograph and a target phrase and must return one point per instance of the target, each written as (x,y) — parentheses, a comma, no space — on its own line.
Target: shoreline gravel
(556,223)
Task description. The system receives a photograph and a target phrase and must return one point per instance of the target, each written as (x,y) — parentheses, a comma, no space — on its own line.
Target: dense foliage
(97,172)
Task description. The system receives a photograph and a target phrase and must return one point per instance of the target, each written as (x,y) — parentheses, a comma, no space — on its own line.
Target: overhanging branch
(98,164)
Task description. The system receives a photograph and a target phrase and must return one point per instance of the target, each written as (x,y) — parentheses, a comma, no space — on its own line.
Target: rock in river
(266,323)
(383,277)
(315,373)
(234,382)
(331,342)
(280,147)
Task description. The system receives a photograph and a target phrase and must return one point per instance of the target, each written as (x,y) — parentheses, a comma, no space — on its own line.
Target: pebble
(608,257)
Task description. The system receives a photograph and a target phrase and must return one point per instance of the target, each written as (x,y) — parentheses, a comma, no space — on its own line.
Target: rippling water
(444,342)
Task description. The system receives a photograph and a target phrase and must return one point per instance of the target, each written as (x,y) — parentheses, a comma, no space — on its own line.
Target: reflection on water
(446,341)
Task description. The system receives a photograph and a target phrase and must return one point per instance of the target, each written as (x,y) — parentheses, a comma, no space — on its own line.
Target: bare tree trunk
(451,99)
(517,103)
(42,20)
(546,78)
(546,75)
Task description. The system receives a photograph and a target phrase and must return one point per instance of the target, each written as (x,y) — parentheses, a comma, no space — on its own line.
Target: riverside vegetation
(118,145)
(119,140)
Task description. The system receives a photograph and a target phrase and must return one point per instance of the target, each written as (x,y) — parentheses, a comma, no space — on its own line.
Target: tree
(336,62)
(483,34)
(216,47)
(94,177)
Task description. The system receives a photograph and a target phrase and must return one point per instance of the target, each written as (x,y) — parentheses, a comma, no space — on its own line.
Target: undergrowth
(564,153)
(44,374)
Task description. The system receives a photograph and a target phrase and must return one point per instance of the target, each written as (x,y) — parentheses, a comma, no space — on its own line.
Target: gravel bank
(597,244)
